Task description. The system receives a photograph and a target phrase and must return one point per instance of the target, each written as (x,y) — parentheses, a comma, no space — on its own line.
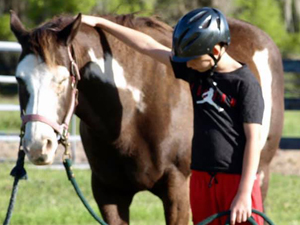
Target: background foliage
(278,18)
(270,15)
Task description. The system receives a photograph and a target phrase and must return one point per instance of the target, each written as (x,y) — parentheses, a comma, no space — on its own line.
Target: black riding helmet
(198,32)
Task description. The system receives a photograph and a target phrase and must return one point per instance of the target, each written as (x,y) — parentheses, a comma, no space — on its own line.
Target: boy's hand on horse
(89,20)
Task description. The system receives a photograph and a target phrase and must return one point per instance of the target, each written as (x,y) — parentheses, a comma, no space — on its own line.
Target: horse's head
(45,84)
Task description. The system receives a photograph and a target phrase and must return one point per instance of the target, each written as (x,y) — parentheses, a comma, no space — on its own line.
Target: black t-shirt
(219,138)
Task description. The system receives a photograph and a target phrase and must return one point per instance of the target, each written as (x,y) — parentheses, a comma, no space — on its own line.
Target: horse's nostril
(42,159)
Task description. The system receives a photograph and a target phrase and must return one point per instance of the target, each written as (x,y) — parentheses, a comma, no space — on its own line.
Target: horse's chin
(43,163)
(42,160)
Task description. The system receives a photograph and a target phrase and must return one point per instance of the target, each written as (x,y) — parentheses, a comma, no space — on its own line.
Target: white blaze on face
(118,79)
(261,60)
(40,140)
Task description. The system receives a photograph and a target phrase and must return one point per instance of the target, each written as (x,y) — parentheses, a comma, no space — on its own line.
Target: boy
(228,110)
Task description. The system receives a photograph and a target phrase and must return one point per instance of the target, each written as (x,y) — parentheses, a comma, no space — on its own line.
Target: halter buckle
(67,153)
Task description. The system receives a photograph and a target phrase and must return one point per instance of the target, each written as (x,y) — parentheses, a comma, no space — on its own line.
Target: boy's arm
(241,205)
(141,42)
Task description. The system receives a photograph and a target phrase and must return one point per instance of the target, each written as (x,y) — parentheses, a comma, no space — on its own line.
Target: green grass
(284,200)
(10,122)
(291,124)
(48,198)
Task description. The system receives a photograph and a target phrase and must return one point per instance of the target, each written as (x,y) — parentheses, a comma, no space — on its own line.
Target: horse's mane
(130,20)
(42,39)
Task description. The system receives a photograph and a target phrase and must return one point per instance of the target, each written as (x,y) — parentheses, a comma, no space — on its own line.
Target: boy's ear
(216,50)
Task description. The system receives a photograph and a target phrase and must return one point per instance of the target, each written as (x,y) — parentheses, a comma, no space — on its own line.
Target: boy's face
(201,64)
(206,62)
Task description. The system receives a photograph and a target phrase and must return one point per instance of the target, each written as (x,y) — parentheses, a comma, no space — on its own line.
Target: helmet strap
(216,60)
(212,83)
(213,68)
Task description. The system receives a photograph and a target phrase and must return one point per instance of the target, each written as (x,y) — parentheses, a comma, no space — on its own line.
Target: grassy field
(284,200)
(48,198)
(291,124)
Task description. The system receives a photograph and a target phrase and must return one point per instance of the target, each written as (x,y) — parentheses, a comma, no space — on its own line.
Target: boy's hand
(240,208)
(89,20)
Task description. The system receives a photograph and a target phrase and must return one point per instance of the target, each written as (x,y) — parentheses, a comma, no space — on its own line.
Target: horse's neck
(97,91)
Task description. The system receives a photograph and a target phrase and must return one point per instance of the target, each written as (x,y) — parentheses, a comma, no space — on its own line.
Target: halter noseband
(61,129)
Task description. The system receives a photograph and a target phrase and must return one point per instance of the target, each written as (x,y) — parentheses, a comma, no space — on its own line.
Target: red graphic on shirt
(212,97)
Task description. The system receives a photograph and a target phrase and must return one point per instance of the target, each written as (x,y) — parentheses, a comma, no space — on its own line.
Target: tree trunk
(297,15)
(292,15)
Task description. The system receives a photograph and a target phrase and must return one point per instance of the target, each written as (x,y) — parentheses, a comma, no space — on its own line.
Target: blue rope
(19,173)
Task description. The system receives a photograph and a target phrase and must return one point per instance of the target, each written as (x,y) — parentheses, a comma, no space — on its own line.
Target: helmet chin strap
(216,60)
(213,68)
(212,83)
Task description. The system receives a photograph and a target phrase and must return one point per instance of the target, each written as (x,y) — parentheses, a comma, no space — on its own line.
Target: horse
(135,117)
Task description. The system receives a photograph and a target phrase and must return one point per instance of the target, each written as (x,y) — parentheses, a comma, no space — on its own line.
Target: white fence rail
(6,46)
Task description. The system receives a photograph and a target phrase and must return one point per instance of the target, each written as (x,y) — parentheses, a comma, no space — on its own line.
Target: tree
(39,10)
(33,12)
(264,14)
(292,15)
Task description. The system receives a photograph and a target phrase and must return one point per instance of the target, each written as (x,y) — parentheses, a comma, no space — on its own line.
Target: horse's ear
(17,27)
(68,34)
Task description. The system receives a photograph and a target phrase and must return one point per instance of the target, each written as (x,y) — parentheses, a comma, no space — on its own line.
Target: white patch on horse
(117,78)
(42,85)
(261,59)
(261,178)
(99,62)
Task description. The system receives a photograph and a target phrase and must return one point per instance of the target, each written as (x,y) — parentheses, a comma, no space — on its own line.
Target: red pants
(206,201)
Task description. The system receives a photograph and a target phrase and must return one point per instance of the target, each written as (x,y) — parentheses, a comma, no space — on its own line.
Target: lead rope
(250,219)
(67,162)
(19,173)
(68,166)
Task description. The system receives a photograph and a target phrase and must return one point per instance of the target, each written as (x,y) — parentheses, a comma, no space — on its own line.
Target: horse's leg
(266,157)
(113,204)
(173,190)
(264,171)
